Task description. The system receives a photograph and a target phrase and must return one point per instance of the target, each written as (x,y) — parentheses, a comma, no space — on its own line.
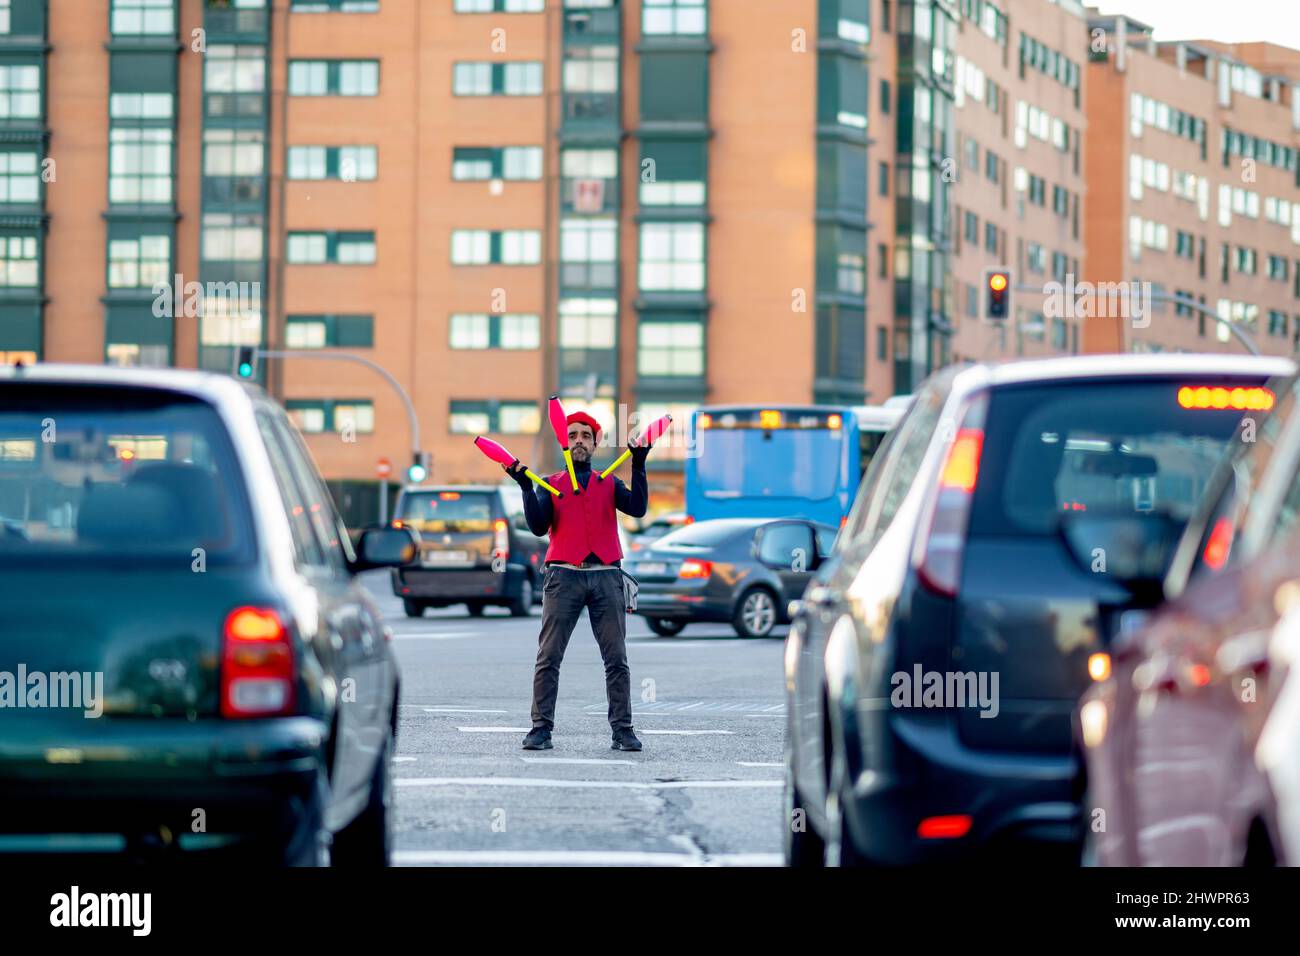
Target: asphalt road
(706,790)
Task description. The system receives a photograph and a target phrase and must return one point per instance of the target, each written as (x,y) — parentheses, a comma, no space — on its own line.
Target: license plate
(652,567)
(446,557)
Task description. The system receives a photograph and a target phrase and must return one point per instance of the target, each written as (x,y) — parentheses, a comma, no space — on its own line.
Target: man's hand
(516,471)
(639,453)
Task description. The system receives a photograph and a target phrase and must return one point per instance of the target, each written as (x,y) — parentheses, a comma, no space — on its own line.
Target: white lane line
(430,637)
(577,760)
(687,733)
(765,715)
(494,730)
(755,763)
(579,858)
(459,710)
(402,759)
(545,782)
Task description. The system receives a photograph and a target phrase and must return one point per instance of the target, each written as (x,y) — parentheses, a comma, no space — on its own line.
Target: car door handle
(824,597)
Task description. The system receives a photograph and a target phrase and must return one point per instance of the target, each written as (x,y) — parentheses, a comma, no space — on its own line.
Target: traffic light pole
(1246,341)
(373,366)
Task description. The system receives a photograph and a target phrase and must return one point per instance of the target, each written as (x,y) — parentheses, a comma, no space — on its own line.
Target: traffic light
(419,469)
(997,294)
(246,361)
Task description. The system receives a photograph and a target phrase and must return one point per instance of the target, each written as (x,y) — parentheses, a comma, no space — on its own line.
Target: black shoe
(539,738)
(624,739)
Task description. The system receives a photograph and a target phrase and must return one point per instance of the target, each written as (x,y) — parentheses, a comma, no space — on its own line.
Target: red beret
(582,418)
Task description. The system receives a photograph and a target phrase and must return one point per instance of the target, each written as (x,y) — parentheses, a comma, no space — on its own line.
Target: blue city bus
(782,461)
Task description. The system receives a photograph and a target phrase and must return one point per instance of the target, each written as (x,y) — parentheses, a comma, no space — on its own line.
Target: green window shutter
(355,331)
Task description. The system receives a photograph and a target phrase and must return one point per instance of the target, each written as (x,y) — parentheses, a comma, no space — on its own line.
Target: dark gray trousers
(564,595)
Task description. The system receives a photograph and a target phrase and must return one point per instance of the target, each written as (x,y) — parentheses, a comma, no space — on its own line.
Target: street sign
(383,468)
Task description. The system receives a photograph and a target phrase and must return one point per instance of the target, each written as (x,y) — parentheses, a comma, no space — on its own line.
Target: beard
(580,454)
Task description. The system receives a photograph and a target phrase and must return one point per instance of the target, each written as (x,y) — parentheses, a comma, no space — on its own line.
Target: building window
(141,17)
(228,152)
(233,70)
(140,165)
(991,166)
(496,162)
(4,25)
(20,182)
(483,331)
(329,331)
(851,273)
(19,264)
(1278,267)
(20,92)
(505,418)
(132,355)
(500,6)
(339,248)
(584,241)
(141,262)
(497,79)
(587,323)
(357,417)
(671,348)
(672,256)
(886,96)
(591,69)
(334,6)
(309,417)
(140,106)
(231,238)
(333,77)
(991,238)
(882,254)
(347,163)
(668,17)
(883,179)
(971,227)
(477,247)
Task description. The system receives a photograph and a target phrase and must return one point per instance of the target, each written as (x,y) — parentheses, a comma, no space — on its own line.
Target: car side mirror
(1133,550)
(384,547)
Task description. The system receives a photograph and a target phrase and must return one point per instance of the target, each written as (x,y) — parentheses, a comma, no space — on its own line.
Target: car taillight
(944,536)
(257,672)
(500,539)
(1219,545)
(692,568)
(944,828)
(690,519)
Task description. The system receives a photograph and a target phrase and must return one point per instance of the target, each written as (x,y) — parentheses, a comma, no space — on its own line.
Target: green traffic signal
(245,370)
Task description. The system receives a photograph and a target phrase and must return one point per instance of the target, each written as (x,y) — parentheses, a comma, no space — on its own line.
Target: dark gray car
(739,570)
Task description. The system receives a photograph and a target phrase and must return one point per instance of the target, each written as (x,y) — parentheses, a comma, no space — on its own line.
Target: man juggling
(582,570)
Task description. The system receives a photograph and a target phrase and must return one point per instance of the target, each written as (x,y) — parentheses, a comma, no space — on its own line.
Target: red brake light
(1219,545)
(691,568)
(944,828)
(257,671)
(945,531)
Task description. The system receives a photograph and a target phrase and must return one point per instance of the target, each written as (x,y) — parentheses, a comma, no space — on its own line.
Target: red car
(1171,727)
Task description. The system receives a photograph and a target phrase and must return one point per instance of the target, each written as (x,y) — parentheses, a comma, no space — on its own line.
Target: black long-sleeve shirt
(539,509)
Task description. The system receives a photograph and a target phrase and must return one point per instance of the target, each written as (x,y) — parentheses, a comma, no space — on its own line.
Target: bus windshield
(783,463)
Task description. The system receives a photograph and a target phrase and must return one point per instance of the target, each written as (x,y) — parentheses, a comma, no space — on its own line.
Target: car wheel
(310,843)
(413,608)
(803,848)
(475,608)
(755,613)
(840,847)
(522,605)
(665,627)
(368,840)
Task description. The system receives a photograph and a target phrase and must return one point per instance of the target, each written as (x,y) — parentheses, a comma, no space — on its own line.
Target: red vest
(583,523)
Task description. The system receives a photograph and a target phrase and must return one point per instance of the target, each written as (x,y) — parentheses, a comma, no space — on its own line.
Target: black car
(475,549)
(933,668)
(173,563)
(744,571)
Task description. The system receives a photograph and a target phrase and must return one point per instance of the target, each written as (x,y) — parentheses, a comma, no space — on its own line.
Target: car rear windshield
(447,510)
(121,474)
(1108,446)
(705,533)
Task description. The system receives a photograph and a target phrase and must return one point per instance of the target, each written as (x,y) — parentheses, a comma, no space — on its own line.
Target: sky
(1237,21)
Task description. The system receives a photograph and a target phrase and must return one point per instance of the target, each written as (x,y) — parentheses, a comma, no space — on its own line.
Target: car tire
(368,840)
(755,613)
(522,604)
(803,848)
(310,843)
(840,849)
(665,627)
(475,608)
(413,608)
